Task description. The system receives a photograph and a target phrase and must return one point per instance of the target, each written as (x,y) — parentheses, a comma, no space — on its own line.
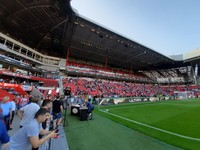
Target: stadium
(142,99)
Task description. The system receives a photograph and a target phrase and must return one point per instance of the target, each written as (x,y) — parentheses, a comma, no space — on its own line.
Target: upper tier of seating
(98,70)
(47,82)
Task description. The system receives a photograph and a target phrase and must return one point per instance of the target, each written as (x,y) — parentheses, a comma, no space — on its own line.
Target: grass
(180,117)
(105,134)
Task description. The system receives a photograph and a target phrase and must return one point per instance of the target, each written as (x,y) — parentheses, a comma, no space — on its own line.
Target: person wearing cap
(27,112)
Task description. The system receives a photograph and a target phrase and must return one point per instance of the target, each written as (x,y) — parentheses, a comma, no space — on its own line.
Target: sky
(170,27)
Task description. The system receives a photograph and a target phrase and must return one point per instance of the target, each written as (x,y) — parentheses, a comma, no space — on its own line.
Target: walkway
(55,144)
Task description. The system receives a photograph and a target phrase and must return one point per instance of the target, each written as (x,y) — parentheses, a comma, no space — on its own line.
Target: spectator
(13,111)
(17,101)
(90,108)
(1,80)
(4,137)
(79,101)
(57,112)
(6,107)
(67,91)
(47,104)
(28,136)
(27,113)
(64,100)
(1,114)
(23,100)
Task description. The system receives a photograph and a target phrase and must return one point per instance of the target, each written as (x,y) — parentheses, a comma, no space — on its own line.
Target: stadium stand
(108,88)
(61,49)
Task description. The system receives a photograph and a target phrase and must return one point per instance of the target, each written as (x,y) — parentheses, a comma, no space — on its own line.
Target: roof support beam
(67,58)
(59,23)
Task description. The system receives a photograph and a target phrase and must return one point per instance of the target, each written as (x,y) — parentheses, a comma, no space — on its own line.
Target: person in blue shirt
(28,135)
(90,108)
(4,137)
(1,114)
(6,107)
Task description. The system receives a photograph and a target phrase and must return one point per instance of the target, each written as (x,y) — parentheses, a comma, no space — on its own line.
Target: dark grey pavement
(55,144)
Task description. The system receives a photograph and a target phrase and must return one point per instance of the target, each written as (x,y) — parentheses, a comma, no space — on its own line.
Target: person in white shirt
(13,111)
(27,113)
(23,100)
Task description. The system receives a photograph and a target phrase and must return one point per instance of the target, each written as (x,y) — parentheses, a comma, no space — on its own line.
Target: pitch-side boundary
(145,125)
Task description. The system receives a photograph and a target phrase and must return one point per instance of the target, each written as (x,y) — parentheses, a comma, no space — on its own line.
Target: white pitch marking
(165,131)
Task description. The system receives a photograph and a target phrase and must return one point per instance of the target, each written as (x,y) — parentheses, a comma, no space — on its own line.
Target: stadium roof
(52,26)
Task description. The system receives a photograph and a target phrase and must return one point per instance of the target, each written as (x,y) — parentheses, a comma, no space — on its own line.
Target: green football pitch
(173,122)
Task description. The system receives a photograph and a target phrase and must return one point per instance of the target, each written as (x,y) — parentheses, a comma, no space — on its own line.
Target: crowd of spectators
(31,113)
(107,88)
(31,116)
(47,112)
